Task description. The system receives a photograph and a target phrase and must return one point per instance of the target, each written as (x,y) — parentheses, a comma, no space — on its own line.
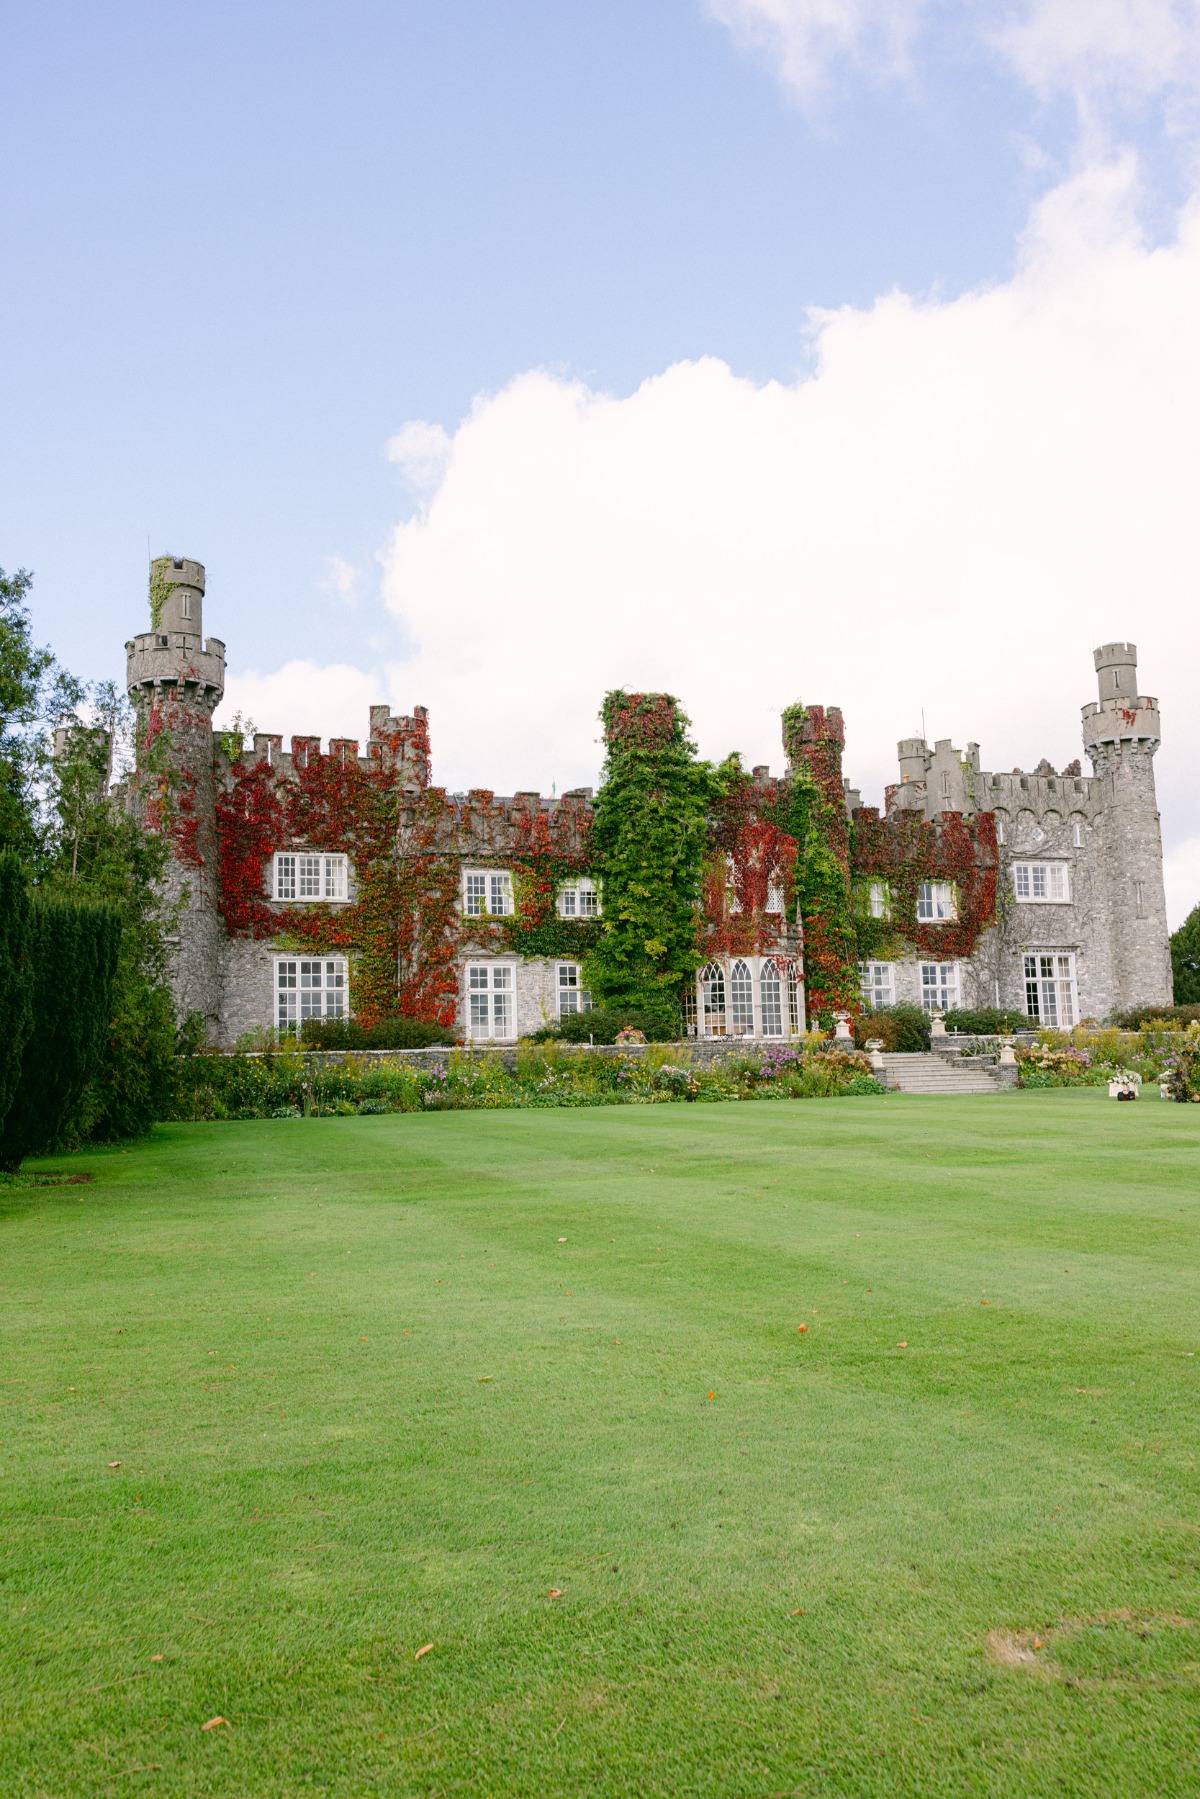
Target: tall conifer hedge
(16,976)
(74,957)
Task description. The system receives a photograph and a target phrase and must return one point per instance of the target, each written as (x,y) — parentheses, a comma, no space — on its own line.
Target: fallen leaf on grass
(214,1722)
(483,1377)
(114,1464)
(799,1612)
(423,1650)
(556,1592)
(158,1658)
(712,1396)
(802,1327)
(903,1345)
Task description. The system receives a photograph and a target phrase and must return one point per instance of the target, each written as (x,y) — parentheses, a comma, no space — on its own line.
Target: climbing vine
(813,808)
(904,850)
(650,837)
(160,591)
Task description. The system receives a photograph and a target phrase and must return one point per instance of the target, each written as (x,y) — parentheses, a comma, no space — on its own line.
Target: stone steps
(922,1072)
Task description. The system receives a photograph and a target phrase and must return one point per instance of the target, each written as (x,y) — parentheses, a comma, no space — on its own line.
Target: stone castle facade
(324,884)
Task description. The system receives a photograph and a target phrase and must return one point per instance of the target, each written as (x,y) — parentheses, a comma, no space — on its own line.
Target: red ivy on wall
(904,849)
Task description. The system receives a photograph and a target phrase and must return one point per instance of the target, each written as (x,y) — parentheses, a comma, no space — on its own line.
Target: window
(770,1000)
(490,1012)
(309,989)
(775,892)
(1077,833)
(1139,896)
(741,1001)
(580,900)
(572,995)
(185,605)
(712,1000)
(300,876)
(1047,881)
(487,893)
(1050,988)
(939,986)
(877,980)
(879,900)
(999,830)
(935,902)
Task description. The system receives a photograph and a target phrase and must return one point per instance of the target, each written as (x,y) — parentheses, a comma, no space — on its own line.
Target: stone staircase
(927,1073)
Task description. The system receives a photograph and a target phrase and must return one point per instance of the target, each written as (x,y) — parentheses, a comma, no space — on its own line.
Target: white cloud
(341,579)
(1091,50)
(804,38)
(421,451)
(307,698)
(946,517)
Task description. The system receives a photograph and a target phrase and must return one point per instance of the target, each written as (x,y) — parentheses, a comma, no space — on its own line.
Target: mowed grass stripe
(795,1585)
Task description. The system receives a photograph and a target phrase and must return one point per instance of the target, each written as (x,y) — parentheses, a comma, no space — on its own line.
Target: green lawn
(363,1398)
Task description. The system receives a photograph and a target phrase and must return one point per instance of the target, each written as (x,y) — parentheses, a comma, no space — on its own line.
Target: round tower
(1121,733)
(176,681)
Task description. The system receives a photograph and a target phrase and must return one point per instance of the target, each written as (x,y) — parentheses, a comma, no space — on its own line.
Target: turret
(1121,733)
(176,680)
(172,654)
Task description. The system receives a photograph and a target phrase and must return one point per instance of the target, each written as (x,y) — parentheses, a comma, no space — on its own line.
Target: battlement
(484,824)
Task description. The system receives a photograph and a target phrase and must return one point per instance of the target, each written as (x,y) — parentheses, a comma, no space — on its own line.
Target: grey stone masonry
(1101,912)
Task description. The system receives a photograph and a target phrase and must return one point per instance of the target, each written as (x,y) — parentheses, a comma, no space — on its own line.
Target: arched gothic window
(770,1000)
(712,1000)
(741,1001)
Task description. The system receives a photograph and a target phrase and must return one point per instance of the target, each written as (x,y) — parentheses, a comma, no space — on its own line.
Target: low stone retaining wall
(704,1050)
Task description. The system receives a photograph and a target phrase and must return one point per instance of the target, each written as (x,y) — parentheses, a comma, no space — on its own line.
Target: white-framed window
(487,892)
(1050,994)
(1049,882)
(776,892)
(879,899)
(580,899)
(936,903)
(741,1000)
(491,995)
(1077,833)
(309,987)
(712,1000)
(770,999)
(939,986)
(878,983)
(573,996)
(306,875)
(999,830)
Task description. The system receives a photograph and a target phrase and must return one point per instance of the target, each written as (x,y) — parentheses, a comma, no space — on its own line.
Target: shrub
(603,1024)
(388,1033)
(75,948)
(16,976)
(1157,1017)
(987,1021)
(902,1028)
(1182,1073)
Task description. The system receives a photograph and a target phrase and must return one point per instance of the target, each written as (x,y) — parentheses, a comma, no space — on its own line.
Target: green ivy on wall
(650,840)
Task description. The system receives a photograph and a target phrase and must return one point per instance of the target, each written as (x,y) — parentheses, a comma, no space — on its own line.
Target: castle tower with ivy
(175,679)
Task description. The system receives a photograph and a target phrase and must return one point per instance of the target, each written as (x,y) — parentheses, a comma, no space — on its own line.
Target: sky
(492,355)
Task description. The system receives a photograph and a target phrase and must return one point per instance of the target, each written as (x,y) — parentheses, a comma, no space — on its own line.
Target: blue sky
(247,242)
(246,246)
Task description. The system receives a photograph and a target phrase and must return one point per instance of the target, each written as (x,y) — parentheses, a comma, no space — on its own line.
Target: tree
(33,691)
(650,838)
(16,976)
(1185,960)
(74,953)
(93,848)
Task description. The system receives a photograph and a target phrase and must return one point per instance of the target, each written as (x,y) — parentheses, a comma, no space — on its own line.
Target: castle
(316,884)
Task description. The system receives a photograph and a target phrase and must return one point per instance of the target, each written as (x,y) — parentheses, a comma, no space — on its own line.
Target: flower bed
(1181,1071)
(289,1085)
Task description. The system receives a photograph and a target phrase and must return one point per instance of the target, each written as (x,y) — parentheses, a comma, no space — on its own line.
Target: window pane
(568,902)
(589,900)
(741,1001)
(309,868)
(474,892)
(501,1013)
(501,979)
(285,877)
(770,1000)
(1022,878)
(712,1001)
